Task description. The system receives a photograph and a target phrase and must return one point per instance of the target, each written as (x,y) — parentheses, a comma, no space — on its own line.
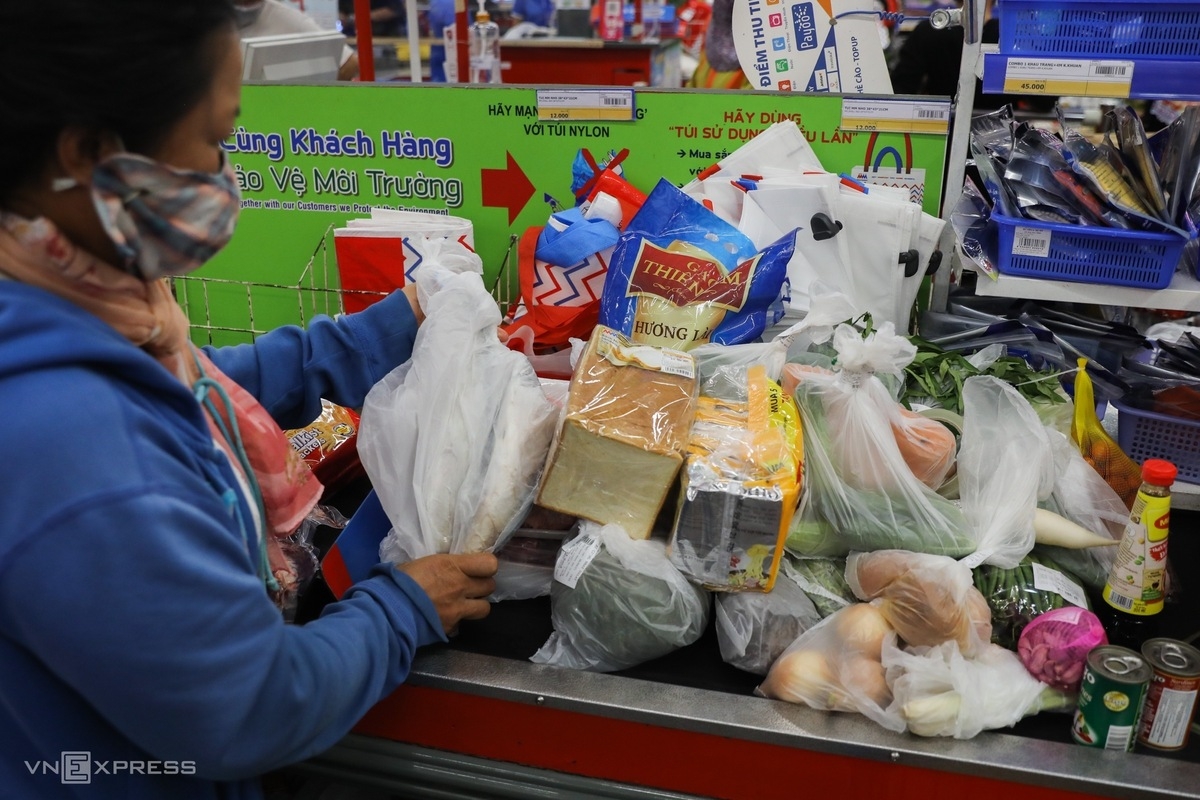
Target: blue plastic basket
(1147,434)
(1087,254)
(1117,29)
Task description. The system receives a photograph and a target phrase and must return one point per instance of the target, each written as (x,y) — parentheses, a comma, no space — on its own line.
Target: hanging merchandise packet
(681,276)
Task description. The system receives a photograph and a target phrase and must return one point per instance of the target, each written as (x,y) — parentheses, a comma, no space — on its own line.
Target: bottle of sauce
(1134,592)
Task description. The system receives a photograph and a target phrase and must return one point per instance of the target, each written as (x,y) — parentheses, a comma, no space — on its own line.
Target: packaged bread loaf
(623,435)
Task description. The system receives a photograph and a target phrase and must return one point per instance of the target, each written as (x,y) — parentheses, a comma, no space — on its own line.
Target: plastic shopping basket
(1148,434)
(1118,29)
(1086,254)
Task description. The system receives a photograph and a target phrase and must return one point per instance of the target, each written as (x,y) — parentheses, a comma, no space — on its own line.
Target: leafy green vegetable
(936,376)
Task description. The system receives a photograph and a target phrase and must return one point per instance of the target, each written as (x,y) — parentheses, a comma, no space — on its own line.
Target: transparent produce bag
(617,602)
(927,599)
(754,629)
(940,692)
(1019,595)
(862,494)
(1083,496)
(1005,464)
(836,666)
(454,440)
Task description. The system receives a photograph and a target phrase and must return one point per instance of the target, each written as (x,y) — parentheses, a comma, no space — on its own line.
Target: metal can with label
(1171,699)
(1110,698)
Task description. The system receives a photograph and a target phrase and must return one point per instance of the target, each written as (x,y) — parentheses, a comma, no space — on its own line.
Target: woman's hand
(458,585)
(410,291)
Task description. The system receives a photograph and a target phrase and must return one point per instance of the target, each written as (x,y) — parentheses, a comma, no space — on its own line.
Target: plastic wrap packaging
(617,602)
(741,482)
(454,439)
(624,433)
(823,580)
(836,666)
(860,493)
(329,444)
(681,277)
(1054,647)
(754,629)
(1021,594)
(927,599)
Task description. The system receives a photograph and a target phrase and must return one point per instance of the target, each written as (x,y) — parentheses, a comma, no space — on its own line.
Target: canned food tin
(1110,698)
(1171,699)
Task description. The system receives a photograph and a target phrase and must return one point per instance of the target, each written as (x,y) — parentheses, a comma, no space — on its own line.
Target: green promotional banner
(309,158)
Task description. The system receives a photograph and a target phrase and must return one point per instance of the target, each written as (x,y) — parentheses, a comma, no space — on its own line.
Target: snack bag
(329,444)
(1119,471)
(681,276)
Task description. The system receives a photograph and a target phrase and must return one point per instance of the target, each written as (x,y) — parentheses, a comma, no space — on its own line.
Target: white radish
(1054,529)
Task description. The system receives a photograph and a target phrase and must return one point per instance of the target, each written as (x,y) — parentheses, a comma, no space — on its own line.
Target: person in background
(145,514)
(387,17)
(274,18)
(538,12)
(441,16)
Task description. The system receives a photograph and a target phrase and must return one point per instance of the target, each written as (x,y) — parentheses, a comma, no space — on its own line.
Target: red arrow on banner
(506,188)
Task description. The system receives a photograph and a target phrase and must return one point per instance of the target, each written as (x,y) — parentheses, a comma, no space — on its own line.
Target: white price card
(1031,242)
(567,105)
(1051,580)
(1085,78)
(896,116)
(574,557)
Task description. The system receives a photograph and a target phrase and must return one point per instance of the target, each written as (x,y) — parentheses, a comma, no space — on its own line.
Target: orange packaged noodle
(1099,449)
(329,444)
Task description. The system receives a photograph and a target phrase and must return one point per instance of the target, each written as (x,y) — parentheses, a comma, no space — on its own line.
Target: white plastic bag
(753,628)
(454,440)
(617,602)
(938,692)
(862,495)
(1005,464)
(836,665)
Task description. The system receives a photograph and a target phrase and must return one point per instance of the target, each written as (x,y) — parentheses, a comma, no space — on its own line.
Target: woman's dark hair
(130,67)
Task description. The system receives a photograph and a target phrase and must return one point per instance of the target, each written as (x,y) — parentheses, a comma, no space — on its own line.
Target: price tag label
(1051,580)
(1062,77)
(574,558)
(558,105)
(1031,242)
(896,116)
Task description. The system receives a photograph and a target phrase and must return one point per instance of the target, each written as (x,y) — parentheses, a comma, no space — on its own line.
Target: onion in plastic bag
(1055,645)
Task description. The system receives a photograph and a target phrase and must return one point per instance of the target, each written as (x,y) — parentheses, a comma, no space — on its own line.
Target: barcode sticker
(574,557)
(585,104)
(895,115)
(1068,77)
(1051,580)
(1120,601)
(1119,737)
(1031,242)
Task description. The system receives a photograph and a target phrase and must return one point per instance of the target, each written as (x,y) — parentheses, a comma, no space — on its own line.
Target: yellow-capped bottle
(1136,585)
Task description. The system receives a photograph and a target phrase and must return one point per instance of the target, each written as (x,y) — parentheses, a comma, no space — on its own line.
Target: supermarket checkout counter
(591,62)
(476,719)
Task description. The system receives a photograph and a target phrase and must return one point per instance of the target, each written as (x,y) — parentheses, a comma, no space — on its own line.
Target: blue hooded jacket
(134,628)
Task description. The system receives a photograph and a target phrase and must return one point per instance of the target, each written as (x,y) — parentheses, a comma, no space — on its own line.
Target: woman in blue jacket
(146,483)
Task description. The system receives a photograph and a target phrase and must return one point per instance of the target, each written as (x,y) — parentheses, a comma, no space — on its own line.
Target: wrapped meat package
(623,435)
